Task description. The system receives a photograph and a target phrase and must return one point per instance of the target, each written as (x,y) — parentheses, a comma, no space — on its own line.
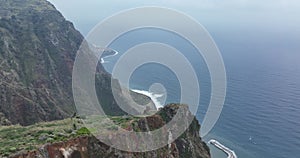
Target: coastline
(222,148)
(230,153)
(152,96)
(108,56)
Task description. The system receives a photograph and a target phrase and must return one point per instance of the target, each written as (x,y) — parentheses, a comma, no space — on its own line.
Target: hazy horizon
(270,16)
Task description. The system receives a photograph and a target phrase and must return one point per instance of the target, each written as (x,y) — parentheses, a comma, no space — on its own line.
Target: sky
(268,15)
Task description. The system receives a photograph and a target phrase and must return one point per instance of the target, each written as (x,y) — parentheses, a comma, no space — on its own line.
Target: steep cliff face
(188,145)
(37,52)
(37,49)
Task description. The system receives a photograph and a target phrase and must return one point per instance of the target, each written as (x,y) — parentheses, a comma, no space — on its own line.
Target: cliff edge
(61,140)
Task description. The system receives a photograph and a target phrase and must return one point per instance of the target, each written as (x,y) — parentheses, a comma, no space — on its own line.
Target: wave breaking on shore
(154,97)
(108,56)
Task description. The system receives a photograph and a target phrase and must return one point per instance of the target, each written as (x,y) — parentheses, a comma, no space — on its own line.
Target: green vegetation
(21,139)
(37,49)
(83,131)
(16,138)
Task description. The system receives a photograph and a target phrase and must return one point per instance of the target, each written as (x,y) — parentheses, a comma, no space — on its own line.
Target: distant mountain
(37,51)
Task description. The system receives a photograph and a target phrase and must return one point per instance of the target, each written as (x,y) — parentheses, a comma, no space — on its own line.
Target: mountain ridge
(61,140)
(38,47)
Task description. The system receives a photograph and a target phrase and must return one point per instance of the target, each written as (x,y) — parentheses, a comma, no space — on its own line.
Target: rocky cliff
(188,145)
(37,48)
(37,51)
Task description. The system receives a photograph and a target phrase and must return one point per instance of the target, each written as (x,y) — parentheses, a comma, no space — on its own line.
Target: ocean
(261,114)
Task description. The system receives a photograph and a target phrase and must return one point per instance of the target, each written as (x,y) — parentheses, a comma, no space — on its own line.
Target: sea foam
(108,56)
(154,97)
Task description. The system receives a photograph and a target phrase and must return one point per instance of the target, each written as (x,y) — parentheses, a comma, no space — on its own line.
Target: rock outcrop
(188,145)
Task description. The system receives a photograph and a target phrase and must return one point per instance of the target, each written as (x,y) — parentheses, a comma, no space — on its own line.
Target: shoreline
(107,56)
(152,96)
(230,153)
(106,52)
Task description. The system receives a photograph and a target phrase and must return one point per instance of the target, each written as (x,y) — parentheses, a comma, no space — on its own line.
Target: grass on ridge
(16,138)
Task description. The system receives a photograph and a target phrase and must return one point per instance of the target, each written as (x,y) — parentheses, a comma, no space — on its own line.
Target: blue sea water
(261,114)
